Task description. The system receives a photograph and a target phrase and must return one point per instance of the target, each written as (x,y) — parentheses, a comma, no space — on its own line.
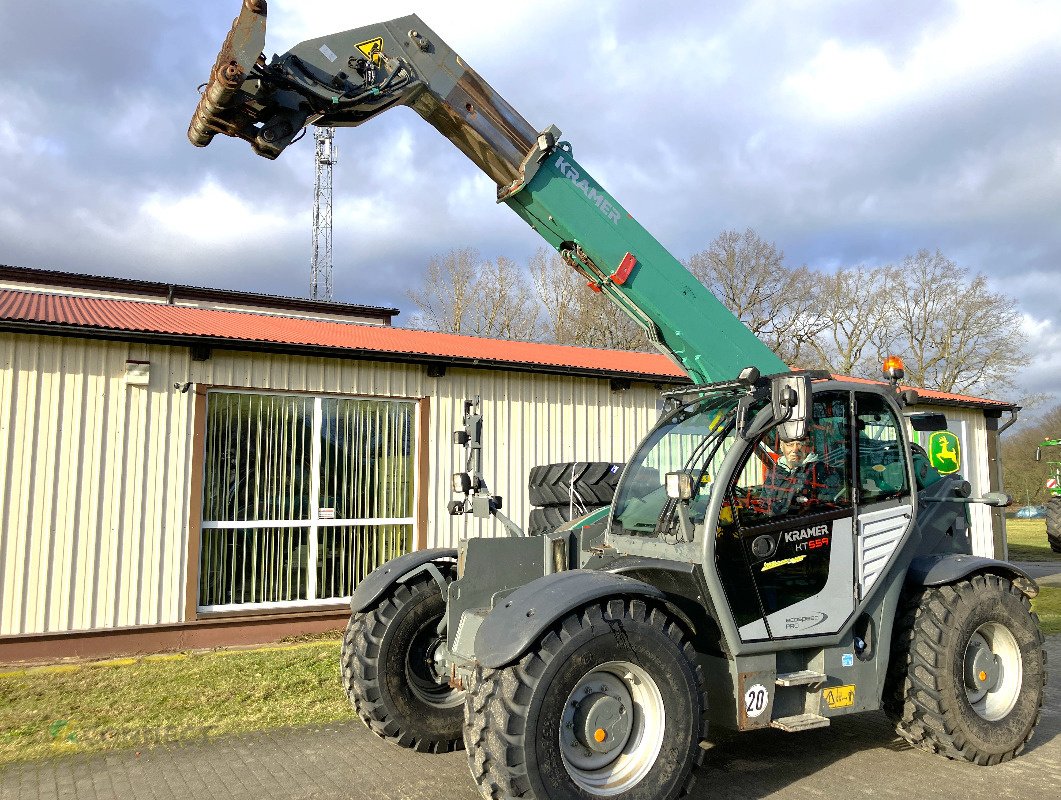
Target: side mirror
(1038,454)
(928,422)
(680,486)
(997,499)
(909,397)
(791,395)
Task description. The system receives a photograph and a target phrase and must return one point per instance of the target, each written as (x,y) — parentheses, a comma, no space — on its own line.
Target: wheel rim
(422,669)
(612,727)
(993,671)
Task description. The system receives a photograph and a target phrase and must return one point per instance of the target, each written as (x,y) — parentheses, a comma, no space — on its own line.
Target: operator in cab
(798,480)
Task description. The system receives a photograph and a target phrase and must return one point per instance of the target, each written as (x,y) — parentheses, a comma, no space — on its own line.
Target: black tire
(548,519)
(1053,523)
(514,717)
(928,695)
(593,483)
(385,671)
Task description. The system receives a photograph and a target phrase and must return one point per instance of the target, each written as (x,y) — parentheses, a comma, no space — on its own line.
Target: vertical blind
(302,496)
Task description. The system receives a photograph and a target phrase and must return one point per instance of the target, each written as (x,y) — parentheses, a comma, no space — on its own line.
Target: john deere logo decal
(944,452)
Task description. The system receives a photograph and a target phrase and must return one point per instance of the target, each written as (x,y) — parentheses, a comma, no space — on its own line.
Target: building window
(302,496)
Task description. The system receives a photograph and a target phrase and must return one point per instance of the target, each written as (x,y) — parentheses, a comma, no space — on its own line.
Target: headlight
(679,486)
(462,482)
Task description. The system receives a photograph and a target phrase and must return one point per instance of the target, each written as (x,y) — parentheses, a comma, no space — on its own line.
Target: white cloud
(490,25)
(983,42)
(213,216)
(1044,345)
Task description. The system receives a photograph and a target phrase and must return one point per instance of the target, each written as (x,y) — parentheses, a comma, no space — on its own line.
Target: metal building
(188,467)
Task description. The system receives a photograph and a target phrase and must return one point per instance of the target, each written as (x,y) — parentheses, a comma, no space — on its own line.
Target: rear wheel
(1053,523)
(391,670)
(610,703)
(968,670)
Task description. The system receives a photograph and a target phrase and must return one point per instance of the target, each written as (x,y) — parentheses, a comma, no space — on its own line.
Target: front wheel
(610,703)
(968,670)
(391,670)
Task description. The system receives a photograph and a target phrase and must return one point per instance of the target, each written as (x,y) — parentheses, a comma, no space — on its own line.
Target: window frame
(313,524)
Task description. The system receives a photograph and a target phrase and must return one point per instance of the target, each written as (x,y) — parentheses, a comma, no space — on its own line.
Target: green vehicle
(777,553)
(1053,505)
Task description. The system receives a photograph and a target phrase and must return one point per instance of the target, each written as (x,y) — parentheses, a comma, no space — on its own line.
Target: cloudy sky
(848,132)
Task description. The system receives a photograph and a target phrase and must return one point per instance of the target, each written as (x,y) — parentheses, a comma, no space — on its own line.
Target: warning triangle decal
(372,48)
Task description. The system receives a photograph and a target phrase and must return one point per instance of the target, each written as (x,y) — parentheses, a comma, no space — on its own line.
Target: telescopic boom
(345,79)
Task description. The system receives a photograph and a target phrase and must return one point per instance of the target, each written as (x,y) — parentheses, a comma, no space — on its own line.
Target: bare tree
(576,315)
(956,334)
(749,276)
(858,328)
(464,294)
(446,298)
(505,302)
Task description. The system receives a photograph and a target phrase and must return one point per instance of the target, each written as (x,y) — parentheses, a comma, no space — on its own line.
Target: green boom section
(568,208)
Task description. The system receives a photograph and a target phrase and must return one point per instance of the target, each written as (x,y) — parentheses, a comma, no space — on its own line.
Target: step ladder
(801,722)
(804,677)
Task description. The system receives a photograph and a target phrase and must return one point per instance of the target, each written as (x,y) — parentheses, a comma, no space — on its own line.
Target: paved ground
(1048,572)
(856,757)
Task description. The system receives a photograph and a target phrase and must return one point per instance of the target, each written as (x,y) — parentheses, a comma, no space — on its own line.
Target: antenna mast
(321,266)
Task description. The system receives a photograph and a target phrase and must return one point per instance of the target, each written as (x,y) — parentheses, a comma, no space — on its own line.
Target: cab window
(787,479)
(882,473)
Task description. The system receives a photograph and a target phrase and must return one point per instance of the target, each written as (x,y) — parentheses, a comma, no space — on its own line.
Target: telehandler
(777,552)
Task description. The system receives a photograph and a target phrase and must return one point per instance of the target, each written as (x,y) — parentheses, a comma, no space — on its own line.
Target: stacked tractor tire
(561,492)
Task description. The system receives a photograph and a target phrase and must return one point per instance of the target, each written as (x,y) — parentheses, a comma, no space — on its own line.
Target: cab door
(785,541)
(884,496)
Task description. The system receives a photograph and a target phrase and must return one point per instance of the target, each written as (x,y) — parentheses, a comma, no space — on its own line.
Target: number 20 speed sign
(755,700)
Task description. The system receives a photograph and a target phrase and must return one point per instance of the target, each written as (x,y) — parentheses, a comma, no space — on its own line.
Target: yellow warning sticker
(839,696)
(372,48)
(784,562)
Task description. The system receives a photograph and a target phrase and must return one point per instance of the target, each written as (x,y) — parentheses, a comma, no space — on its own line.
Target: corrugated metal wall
(970,427)
(96,473)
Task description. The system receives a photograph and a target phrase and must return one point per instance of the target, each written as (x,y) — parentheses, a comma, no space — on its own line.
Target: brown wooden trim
(994,473)
(423,472)
(195,503)
(227,632)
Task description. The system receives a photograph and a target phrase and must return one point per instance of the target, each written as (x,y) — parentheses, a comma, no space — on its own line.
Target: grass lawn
(1048,606)
(141,702)
(1027,541)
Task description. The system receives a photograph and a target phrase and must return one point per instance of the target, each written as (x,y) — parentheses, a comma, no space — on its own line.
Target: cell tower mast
(321,267)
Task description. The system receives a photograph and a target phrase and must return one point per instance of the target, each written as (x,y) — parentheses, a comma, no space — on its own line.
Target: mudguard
(938,570)
(381,579)
(514,625)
